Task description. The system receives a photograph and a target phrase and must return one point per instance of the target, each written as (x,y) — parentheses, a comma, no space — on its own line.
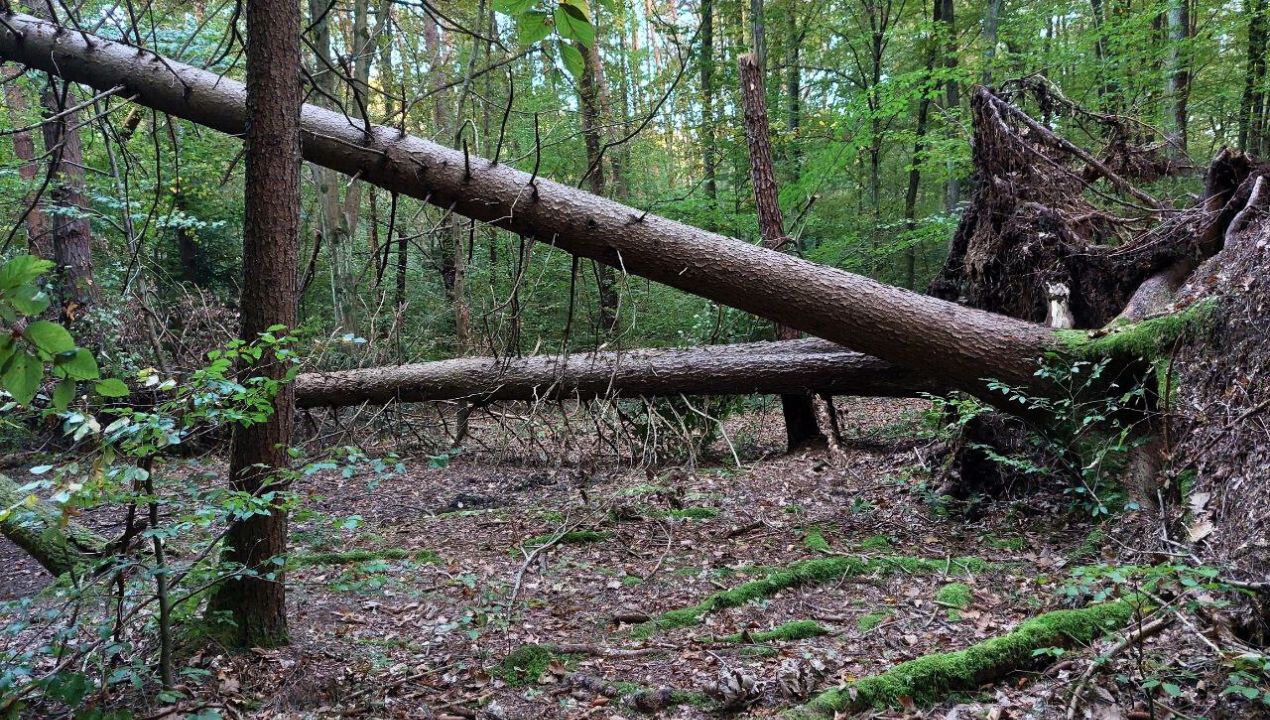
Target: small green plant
(872,620)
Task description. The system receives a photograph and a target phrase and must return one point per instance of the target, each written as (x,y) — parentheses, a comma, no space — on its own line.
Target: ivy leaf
(22,270)
(22,377)
(572,59)
(532,27)
(79,365)
(112,388)
(29,300)
(513,7)
(64,394)
(573,24)
(50,337)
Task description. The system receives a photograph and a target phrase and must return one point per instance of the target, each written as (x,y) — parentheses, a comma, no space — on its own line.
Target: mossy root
(931,678)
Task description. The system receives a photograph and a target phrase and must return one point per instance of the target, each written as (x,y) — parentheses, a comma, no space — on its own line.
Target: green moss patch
(875,543)
(955,595)
(789,632)
(1146,339)
(693,513)
(349,557)
(931,678)
(868,622)
(575,537)
(815,540)
(525,665)
(806,572)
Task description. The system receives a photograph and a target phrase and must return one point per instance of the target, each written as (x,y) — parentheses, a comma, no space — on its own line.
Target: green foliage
(526,664)
(573,537)
(694,513)
(871,620)
(815,540)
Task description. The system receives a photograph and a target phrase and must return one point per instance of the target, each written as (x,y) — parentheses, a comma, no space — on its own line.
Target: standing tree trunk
(38,240)
(952,98)
(1252,105)
(1179,89)
(595,115)
(72,233)
(801,426)
(331,216)
(991,26)
(709,152)
(256,600)
(758,34)
(915,166)
(794,92)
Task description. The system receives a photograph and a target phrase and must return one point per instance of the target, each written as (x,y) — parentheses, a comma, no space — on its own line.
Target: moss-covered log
(806,572)
(40,529)
(931,678)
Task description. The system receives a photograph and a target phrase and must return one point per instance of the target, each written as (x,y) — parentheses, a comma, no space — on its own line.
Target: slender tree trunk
(793,366)
(256,602)
(952,97)
(709,152)
(794,92)
(594,119)
(39,240)
(1252,105)
(801,426)
(450,235)
(956,344)
(758,34)
(991,24)
(331,217)
(1179,89)
(915,167)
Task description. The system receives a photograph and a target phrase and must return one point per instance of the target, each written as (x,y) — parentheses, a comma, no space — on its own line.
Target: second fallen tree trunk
(796,366)
(951,343)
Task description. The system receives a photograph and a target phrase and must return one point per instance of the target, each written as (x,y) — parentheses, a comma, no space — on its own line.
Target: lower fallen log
(786,367)
(932,678)
(39,529)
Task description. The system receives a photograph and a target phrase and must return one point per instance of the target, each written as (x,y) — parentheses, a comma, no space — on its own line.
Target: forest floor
(514,591)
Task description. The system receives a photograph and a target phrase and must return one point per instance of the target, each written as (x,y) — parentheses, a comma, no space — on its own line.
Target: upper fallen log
(795,366)
(937,337)
(40,529)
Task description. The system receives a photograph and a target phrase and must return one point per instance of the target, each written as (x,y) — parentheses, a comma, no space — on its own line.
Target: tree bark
(952,343)
(801,426)
(952,98)
(256,601)
(915,166)
(38,240)
(42,531)
(72,233)
(1252,104)
(1179,83)
(708,157)
(595,116)
(792,366)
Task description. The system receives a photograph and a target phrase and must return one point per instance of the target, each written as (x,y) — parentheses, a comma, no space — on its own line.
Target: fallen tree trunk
(38,528)
(793,366)
(936,337)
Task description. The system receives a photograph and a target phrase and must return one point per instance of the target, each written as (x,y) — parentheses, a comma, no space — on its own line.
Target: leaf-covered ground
(518,591)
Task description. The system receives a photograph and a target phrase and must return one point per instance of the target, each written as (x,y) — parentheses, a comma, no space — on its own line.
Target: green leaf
(50,337)
(29,300)
(572,59)
(572,24)
(1171,689)
(78,364)
(512,7)
(22,377)
(22,270)
(64,394)
(532,27)
(112,388)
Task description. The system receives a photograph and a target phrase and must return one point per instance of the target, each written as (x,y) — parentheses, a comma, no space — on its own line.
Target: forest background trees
(639,101)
